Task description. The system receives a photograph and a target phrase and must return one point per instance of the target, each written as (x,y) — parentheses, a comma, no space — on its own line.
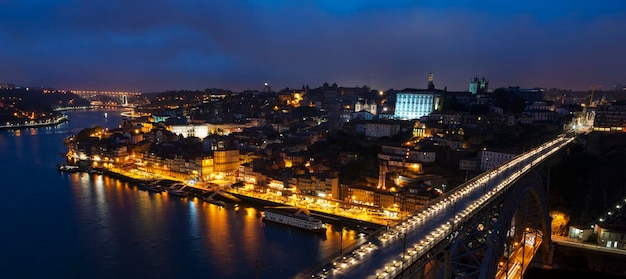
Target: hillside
(590,179)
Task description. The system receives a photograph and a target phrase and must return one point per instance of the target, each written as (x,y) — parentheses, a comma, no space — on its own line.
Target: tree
(508,101)
(351,172)
(238,184)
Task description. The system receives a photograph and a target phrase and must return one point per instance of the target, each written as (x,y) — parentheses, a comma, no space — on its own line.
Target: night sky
(158,45)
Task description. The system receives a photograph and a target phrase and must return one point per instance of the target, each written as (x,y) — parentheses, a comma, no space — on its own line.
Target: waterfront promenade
(328,211)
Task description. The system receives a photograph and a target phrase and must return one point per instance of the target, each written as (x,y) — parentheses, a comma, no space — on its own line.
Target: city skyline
(157,46)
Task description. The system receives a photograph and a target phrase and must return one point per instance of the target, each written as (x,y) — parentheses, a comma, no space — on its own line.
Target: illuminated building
(491,159)
(415,103)
(191,130)
(364,105)
(478,85)
(247,174)
(610,118)
(319,185)
(611,235)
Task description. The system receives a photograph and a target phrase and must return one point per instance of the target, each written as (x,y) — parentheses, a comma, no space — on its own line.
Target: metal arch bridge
(462,234)
(123,96)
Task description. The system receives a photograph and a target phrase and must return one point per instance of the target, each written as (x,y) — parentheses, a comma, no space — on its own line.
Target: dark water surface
(58,225)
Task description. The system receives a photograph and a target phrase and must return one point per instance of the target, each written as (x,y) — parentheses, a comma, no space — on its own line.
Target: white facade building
(414,105)
(364,105)
(492,159)
(200,131)
(377,129)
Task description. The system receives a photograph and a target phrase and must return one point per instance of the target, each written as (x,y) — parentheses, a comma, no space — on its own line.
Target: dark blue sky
(158,45)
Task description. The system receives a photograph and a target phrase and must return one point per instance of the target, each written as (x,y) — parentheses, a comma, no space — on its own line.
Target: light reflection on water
(122,225)
(92,226)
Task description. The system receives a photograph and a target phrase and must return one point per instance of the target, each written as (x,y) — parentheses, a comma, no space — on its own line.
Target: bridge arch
(479,245)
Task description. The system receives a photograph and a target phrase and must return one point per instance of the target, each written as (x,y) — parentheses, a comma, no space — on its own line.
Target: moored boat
(68,168)
(213,201)
(95,171)
(173,190)
(295,217)
(155,188)
(210,199)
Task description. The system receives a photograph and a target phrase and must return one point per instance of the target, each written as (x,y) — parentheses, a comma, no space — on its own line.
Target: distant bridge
(123,96)
(488,227)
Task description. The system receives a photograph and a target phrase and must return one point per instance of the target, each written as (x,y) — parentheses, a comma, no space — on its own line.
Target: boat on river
(212,200)
(95,171)
(154,186)
(177,191)
(68,168)
(294,217)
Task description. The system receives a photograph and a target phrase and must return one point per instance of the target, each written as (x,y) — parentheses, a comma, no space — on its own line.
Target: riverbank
(336,220)
(45,123)
(234,197)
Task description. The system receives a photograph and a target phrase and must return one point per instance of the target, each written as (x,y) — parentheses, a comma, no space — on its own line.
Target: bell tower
(431,85)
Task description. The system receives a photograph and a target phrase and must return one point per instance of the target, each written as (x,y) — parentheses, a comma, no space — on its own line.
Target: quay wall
(34,125)
(346,222)
(336,220)
(122,177)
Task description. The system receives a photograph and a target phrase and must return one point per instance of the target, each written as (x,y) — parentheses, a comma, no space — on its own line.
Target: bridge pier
(547,257)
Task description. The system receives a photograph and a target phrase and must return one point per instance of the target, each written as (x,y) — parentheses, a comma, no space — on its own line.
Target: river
(60,225)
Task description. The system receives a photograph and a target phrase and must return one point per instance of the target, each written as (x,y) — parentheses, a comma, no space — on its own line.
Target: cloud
(160,45)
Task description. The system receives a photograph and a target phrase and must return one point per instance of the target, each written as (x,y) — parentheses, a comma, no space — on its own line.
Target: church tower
(484,85)
(373,108)
(478,85)
(473,86)
(431,85)
(358,106)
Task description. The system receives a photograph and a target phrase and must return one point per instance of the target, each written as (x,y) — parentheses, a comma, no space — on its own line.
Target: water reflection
(193,218)
(125,232)
(121,225)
